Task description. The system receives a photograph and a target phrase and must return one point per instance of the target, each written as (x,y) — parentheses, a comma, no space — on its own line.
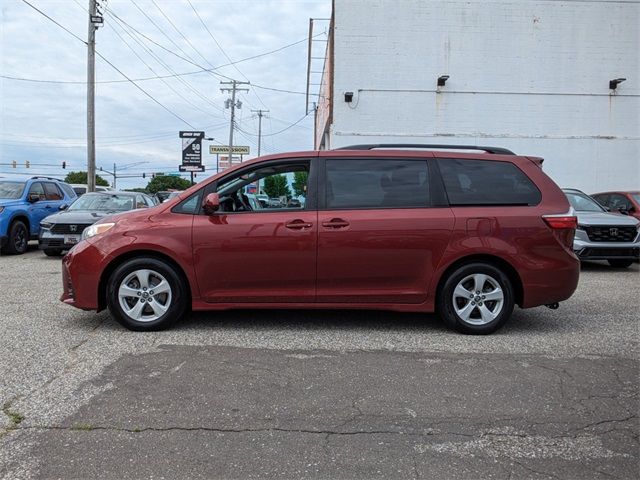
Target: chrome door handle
(298,224)
(336,223)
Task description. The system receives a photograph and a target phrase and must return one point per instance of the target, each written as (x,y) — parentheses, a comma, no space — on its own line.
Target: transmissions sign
(224,149)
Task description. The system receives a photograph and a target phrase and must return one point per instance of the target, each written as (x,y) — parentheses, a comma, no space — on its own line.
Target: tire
(53,252)
(18,240)
(618,263)
(128,297)
(477,315)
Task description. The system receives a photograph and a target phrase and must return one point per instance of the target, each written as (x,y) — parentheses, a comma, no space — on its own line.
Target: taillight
(563,226)
(561,221)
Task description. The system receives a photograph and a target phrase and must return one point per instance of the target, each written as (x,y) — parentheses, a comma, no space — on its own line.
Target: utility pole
(231,103)
(114,176)
(261,113)
(95,21)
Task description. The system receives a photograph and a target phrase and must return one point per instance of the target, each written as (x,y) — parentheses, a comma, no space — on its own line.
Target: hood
(81,217)
(603,218)
(9,202)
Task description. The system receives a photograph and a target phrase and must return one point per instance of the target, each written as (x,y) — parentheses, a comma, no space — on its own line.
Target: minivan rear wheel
(146,294)
(476,298)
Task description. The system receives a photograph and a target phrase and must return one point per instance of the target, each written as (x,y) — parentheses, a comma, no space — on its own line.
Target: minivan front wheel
(145,294)
(476,298)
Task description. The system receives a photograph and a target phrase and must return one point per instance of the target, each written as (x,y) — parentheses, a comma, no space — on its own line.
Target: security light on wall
(348,97)
(613,84)
(442,79)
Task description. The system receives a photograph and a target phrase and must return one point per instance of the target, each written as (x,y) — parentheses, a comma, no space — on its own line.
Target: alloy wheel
(144,295)
(478,299)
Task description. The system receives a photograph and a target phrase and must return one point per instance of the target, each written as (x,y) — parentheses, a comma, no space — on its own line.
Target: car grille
(611,234)
(69,228)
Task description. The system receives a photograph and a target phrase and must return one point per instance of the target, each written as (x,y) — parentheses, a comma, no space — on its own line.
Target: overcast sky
(45,123)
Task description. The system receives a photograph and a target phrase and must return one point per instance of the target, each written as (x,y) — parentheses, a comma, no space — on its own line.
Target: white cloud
(33,115)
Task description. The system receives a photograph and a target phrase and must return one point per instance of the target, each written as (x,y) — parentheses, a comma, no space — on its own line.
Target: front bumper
(586,249)
(48,240)
(81,270)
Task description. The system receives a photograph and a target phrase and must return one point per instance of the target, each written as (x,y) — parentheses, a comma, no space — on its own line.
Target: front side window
(618,202)
(376,183)
(266,189)
(486,182)
(36,189)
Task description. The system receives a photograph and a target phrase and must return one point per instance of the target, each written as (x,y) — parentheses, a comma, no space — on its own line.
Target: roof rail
(373,146)
(45,178)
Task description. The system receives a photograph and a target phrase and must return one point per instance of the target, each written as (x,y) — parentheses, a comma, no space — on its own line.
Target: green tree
(276,186)
(167,182)
(300,180)
(81,177)
(137,190)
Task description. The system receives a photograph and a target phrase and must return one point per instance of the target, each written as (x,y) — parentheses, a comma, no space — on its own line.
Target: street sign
(223,162)
(239,150)
(191,168)
(191,147)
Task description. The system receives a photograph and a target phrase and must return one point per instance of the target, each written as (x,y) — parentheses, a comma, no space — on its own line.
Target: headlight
(46,225)
(94,230)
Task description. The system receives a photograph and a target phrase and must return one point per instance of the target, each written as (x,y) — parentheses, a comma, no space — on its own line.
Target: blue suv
(23,204)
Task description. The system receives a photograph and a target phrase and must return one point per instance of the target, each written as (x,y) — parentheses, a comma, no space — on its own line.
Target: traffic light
(64,165)
(27,164)
(144,175)
(14,164)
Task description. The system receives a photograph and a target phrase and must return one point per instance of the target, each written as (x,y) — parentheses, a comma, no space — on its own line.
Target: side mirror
(211,203)
(64,206)
(34,197)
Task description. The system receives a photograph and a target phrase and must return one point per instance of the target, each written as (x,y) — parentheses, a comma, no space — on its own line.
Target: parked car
(627,203)
(63,230)
(467,234)
(23,204)
(602,235)
(165,194)
(81,188)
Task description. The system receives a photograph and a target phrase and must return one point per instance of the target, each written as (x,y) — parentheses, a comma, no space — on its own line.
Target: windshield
(11,190)
(583,203)
(103,203)
(636,197)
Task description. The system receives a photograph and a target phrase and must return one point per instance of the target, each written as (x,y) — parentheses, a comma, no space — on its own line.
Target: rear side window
(376,183)
(52,191)
(486,182)
(67,190)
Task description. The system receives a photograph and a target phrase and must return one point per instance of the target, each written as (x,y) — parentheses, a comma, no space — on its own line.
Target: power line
(279,131)
(112,66)
(167,67)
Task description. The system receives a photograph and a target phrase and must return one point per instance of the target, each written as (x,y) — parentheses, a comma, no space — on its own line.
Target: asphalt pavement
(331,394)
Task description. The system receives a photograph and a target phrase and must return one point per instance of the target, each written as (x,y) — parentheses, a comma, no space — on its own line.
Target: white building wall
(530,75)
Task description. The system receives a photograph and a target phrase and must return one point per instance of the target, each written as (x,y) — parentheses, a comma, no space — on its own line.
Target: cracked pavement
(301,394)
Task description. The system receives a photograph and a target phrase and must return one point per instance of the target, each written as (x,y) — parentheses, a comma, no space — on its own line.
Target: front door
(379,239)
(256,250)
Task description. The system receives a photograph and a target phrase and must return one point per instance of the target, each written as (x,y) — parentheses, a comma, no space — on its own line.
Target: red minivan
(468,232)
